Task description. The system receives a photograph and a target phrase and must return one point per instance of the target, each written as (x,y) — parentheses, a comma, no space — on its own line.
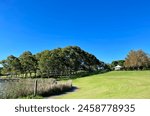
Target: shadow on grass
(73,89)
(81,75)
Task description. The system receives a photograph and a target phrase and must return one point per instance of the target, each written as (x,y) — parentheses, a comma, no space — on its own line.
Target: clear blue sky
(109,29)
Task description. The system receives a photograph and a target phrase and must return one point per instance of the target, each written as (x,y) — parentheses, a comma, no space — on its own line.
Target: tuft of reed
(25,87)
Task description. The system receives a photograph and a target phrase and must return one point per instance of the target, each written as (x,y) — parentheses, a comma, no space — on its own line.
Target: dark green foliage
(66,62)
(56,63)
(11,65)
(1,71)
(28,62)
(117,62)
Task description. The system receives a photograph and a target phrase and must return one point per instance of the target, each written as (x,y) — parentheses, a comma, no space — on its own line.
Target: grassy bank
(116,84)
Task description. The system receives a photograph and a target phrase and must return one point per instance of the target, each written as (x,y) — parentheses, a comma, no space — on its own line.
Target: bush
(25,87)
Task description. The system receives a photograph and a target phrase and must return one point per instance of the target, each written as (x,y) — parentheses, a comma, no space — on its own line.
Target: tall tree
(12,65)
(28,62)
(6,69)
(137,60)
(45,63)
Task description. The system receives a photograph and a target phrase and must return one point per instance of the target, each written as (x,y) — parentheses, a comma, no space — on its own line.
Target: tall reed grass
(25,87)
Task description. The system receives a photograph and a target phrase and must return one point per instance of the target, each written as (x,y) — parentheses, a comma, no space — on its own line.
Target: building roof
(118,66)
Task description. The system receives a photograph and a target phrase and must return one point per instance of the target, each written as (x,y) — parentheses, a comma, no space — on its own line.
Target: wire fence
(15,88)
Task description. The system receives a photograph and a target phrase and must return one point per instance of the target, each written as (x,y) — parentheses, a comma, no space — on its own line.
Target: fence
(25,87)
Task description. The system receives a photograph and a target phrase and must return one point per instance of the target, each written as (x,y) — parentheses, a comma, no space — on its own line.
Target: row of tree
(52,63)
(135,60)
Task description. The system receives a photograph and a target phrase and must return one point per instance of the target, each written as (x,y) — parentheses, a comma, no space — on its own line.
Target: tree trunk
(35,73)
(48,74)
(30,74)
(16,74)
(25,75)
(11,75)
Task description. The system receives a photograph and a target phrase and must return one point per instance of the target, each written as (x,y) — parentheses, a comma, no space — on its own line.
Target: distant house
(118,67)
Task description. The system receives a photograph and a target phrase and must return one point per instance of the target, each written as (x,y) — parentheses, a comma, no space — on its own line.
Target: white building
(118,67)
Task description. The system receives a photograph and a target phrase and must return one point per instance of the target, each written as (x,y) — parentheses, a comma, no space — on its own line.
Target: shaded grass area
(112,85)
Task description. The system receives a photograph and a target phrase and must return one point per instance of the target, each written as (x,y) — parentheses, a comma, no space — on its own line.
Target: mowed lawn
(114,85)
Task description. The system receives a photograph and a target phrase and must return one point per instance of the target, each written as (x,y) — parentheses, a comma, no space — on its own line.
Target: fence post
(35,87)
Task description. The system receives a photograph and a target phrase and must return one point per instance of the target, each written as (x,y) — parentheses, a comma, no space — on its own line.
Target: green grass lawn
(116,84)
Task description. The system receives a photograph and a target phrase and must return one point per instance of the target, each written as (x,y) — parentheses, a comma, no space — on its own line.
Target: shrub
(25,87)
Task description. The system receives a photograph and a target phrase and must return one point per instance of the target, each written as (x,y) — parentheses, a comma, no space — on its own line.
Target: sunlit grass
(116,84)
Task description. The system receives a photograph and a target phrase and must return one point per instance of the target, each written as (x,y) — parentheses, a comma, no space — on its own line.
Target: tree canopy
(117,62)
(67,61)
(53,63)
(137,60)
